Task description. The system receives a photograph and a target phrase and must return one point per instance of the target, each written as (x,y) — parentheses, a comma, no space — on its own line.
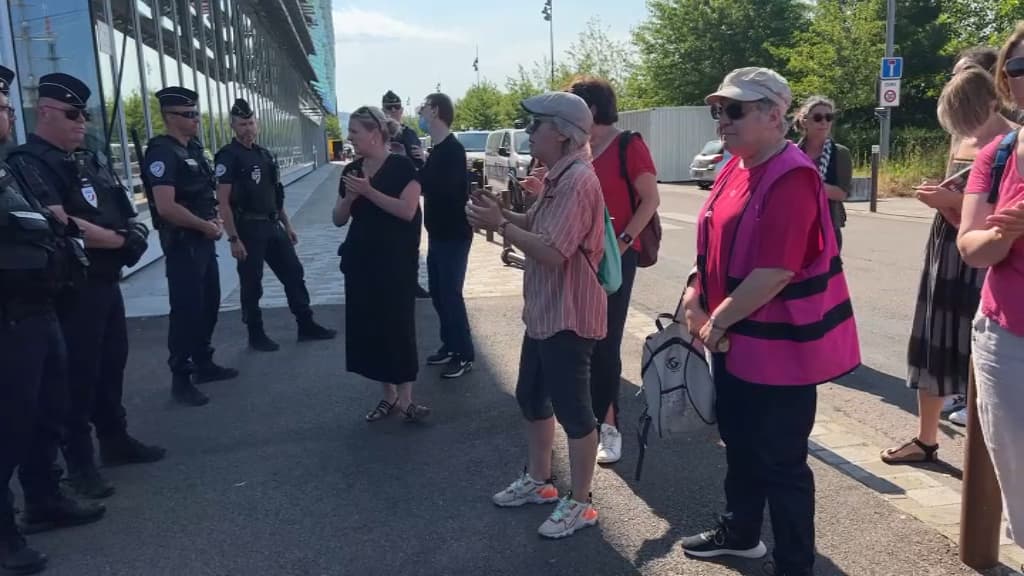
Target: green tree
(480,108)
(688,46)
(517,89)
(333,127)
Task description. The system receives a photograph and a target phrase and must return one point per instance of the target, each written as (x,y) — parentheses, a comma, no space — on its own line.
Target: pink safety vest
(807,334)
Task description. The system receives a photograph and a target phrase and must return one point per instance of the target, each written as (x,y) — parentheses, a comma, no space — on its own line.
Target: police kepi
(181,183)
(252,203)
(79,184)
(37,261)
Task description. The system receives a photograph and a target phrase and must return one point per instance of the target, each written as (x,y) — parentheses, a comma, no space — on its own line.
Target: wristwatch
(626,238)
(232,239)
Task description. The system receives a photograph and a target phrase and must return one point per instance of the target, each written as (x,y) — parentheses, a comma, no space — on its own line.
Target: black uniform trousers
(96,334)
(765,430)
(193,283)
(33,398)
(266,240)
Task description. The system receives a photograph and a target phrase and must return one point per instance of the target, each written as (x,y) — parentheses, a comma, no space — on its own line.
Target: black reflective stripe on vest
(803,333)
(803,289)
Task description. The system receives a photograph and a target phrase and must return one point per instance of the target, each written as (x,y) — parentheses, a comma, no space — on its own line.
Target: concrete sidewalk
(280,475)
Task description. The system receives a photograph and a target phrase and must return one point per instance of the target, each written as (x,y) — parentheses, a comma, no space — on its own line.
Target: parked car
(708,163)
(475,142)
(506,156)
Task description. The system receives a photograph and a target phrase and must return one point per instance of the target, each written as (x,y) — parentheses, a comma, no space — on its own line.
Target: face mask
(424,124)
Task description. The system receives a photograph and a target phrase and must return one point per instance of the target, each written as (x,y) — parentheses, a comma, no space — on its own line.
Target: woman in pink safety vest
(770,299)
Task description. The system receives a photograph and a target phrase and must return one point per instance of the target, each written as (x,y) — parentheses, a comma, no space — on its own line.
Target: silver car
(708,163)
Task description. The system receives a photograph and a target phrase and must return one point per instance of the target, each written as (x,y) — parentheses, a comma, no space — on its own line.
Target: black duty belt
(13,310)
(269,217)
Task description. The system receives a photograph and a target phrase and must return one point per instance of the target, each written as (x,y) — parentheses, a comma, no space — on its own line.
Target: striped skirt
(947,300)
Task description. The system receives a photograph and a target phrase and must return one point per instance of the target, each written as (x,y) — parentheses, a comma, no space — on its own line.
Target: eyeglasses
(190,114)
(827,117)
(733,110)
(1014,67)
(72,114)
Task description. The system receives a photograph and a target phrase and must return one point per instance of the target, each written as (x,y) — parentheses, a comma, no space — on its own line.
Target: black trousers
(193,282)
(606,366)
(93,321)
(446,267)
(32,406)
(267,241)
(765,430)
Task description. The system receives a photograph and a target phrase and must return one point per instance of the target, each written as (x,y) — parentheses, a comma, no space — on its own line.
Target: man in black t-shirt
(445,182)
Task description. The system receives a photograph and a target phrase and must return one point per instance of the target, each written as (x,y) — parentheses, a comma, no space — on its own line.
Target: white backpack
(678,392)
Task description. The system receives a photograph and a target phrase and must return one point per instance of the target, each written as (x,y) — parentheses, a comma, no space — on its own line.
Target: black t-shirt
(445,182)
(375,237)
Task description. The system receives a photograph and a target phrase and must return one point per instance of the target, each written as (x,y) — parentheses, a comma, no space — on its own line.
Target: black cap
(6,77)
(241,109)
(390,98)
(64,88)
(177,96)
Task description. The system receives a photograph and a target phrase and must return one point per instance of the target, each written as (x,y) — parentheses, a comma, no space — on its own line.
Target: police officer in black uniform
(252,204)
(73,182)
(38,259)
(180,185)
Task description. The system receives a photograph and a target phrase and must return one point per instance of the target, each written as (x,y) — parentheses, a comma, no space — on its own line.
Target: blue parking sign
(892,68)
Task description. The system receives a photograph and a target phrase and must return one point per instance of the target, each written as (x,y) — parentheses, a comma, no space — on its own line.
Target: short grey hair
(766,106)
(574,133)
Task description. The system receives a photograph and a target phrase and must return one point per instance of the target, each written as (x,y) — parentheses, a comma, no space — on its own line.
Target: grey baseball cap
(753,84)
(568,107)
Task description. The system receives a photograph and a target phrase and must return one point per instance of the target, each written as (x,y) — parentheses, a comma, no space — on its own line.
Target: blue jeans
(446,268)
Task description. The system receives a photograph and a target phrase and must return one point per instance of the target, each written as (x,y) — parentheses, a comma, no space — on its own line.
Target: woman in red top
(628,220)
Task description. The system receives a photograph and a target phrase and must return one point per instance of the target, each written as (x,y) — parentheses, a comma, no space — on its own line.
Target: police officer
(37,259)
(76,183)
(180,185)
(252,204)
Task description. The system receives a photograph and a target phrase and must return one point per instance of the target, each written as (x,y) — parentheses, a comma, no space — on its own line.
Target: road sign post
(891,69)
(889,93)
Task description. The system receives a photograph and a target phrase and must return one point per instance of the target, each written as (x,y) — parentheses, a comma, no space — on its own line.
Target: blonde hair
(967,101)
(373,119)
(1002,80)
(810,103)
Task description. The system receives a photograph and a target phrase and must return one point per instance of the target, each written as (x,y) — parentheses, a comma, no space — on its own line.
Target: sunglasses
(733,110)
(535,122)
(190,114)
(827,117)
(1014,67)
(393,107)
(72,114)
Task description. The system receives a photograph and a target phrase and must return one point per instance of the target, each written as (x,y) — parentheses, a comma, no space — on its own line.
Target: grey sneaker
(526,490)
(569,516)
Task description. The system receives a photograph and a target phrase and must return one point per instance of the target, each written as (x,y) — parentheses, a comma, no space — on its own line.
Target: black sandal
(927,453)
(383,410)
(416,413)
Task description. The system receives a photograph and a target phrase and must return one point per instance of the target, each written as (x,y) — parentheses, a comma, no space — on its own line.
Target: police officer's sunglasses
(190,114)
(72,114)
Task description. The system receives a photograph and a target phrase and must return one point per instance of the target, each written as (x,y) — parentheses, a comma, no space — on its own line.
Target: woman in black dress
(379,197)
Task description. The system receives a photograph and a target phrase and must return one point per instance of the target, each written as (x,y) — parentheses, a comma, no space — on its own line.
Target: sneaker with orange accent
(526,490)
(569,516)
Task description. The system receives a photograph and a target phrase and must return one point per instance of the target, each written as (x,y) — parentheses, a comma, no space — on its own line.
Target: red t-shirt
(613,185)
(789,227)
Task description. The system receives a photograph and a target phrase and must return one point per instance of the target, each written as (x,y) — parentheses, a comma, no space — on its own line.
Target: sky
(412,46)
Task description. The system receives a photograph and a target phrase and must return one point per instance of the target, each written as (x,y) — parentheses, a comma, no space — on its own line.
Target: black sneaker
(89,484)
(260,342)
(60,512)
(17,558)
(456,367)
(310,330)
(121,450)
(210,372)
(441,358)
(184,392)
(722,541)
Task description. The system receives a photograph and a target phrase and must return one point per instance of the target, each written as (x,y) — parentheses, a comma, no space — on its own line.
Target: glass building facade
(277,54)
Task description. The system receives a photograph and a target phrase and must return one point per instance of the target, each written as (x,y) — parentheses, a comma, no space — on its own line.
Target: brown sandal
(383,410)
(927,453)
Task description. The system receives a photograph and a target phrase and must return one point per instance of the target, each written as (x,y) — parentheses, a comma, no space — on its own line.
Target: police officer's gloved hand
(136,240)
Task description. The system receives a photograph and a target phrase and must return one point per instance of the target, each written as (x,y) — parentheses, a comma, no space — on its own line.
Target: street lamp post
(548,13)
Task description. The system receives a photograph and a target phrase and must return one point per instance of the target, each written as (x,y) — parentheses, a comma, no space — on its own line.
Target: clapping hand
(484,212)
(1008,222)
(356,186)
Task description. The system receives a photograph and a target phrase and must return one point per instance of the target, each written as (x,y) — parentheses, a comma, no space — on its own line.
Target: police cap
(6,77)
(64,88)
(390,98)
(241,109)
(177,96)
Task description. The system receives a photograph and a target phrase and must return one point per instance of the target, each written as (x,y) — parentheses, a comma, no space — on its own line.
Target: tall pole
(890,40)
(548,13)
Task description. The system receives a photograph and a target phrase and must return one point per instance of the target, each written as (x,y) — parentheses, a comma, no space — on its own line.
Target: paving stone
(935,497)
(913,481)
(835,440)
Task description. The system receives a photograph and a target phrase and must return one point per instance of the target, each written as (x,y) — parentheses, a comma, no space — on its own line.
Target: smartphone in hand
(957,182)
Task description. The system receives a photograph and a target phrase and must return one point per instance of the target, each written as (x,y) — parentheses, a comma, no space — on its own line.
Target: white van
(506,149)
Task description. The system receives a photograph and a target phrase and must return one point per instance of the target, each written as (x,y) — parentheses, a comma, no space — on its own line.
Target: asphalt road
(280,475)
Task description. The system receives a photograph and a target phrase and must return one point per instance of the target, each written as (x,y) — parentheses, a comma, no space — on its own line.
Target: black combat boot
(123,449)
(88,483)
(259,341)
(59,511)
(210,372)
(310,330)
(184,392)
(17,558)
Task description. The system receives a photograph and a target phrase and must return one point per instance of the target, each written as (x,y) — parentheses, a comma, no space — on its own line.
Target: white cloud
(355,24)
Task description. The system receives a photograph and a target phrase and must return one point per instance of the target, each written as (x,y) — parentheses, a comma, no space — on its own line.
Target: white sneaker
(954,403)
(959,417)
(568,517)
(526,490)
(609,447)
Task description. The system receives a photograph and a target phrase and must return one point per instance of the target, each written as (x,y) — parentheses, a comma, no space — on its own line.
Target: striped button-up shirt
(569,217)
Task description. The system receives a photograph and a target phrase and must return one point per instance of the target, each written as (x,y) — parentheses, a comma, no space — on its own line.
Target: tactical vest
(253,190)
(195,186)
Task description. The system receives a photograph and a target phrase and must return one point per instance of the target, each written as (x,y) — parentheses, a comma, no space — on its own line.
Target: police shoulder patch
(221,170)
(157,168)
